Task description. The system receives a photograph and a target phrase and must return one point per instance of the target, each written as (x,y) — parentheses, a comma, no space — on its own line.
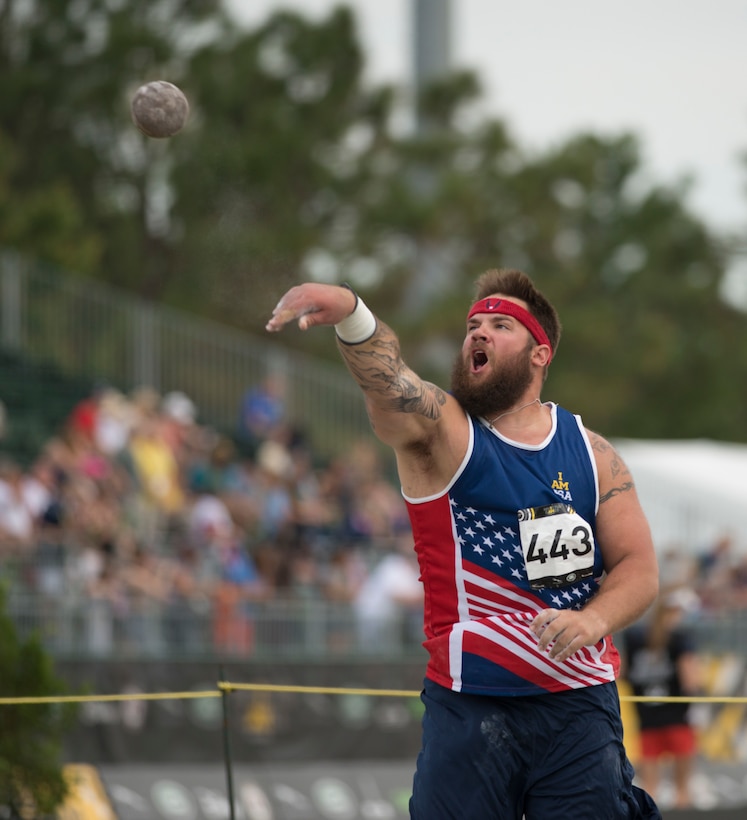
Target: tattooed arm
(631,571)
(402,407)
(425,425)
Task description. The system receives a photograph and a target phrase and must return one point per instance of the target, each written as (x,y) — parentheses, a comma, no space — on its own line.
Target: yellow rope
(227,687)
(683,699)
(317,690)
(91,698)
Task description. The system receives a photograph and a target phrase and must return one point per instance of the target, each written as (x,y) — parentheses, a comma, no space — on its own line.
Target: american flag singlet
(513,533)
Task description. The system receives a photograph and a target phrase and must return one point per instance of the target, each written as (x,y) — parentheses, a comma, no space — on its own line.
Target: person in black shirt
(662,661)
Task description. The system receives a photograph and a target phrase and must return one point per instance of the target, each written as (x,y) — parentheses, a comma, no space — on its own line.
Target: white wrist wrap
(358,327)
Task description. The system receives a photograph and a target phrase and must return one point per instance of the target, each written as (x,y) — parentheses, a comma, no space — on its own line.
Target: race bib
(558,545)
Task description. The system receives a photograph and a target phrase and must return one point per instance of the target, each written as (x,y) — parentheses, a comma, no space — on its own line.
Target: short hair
(518,285)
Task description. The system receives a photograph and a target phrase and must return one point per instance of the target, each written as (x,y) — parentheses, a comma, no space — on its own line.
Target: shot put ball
(159,109)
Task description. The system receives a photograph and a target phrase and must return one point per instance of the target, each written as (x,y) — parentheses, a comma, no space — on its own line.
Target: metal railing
(77,626)
(72,625)
(47,594)
(86,329)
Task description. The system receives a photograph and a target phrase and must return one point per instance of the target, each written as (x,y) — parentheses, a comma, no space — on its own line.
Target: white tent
(693,492)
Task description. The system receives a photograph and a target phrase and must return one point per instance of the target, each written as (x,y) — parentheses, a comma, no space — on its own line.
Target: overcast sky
(672,71)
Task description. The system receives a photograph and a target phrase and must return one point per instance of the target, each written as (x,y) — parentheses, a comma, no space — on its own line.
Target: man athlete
(533,550)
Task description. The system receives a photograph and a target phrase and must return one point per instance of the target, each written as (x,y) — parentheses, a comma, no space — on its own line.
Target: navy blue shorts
(558,756)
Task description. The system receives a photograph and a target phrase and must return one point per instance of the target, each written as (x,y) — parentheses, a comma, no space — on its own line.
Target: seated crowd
(137,527)
(158,531)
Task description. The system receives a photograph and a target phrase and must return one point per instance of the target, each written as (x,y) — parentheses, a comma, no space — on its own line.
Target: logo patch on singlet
(561,487)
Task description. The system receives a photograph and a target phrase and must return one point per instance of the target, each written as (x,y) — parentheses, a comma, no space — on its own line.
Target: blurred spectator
(344,574)
(83,417)
(263,413)
(208,519)
(715,574)
(157,475)
(661,661)
(106,609)
(317,513)
(22,501)
(90,499)
(376,507)
(388,604)
(274,477)
(739,584)
(180,408)
(240,585)
(85,563)
(113,424)
(677,567)
(51,471)
(218,466)
(146,583)
(51,555)
(192,581)
(189,441)
(145,402)
(341,578)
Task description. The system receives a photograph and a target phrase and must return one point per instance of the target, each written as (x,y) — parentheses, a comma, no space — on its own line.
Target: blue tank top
(513,533)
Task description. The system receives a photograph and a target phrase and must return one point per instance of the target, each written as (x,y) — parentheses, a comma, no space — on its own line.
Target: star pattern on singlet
(498,549)
(485,544)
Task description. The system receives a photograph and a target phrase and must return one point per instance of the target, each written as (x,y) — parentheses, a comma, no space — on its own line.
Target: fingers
(312,304)
(559,650)
(559,636)
(542,620)
(280,317)
(291,307)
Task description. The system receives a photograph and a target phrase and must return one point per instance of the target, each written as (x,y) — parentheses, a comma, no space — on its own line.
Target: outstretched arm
(403,408)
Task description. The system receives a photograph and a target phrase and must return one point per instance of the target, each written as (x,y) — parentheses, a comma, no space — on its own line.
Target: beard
(506,385)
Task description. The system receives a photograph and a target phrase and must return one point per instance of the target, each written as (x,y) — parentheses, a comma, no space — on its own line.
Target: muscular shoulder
(614,476)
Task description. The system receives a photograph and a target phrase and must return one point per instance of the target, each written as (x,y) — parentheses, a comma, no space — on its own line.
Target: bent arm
(631,580)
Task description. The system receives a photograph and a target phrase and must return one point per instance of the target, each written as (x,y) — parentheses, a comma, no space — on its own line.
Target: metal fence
(75,625)
(81,626)
(84,328)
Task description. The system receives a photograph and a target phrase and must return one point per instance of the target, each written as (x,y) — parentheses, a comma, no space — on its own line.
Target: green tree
(71,177)
(636,276)
(259,181)
(291,167)
(638,279)
(31,776)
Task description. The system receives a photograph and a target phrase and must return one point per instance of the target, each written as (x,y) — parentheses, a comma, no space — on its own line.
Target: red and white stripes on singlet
(478,598)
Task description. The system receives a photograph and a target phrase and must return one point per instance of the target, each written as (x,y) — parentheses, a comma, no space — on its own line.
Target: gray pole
(227,750)
(431,60)
(431,43)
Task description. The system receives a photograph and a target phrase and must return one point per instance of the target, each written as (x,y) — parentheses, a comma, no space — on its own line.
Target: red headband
(508,308)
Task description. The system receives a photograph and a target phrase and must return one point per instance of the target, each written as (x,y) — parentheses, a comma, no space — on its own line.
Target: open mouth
(479,360)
